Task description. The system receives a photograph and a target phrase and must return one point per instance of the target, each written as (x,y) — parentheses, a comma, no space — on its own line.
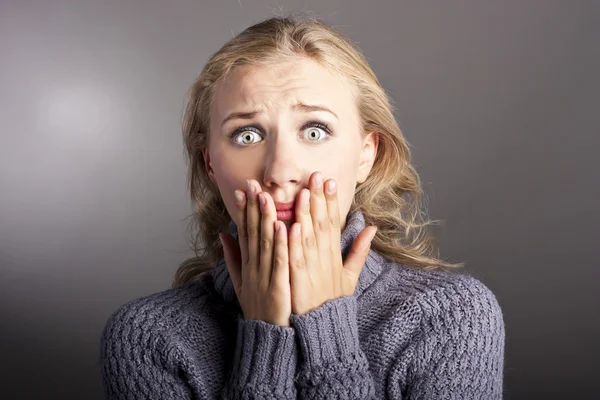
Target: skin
(283,159)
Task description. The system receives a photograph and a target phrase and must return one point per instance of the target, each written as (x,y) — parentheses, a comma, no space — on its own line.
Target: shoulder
(415,283)
(445,329)
(439,315)
(154,317)
(433,295)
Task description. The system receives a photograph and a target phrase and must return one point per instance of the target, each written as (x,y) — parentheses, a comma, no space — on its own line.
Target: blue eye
(312,128)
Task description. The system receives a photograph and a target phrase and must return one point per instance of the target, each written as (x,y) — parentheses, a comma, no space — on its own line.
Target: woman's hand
(258,265)
(317,271)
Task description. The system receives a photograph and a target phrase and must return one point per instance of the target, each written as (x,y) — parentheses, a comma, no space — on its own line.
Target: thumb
(359,251)
(231,253)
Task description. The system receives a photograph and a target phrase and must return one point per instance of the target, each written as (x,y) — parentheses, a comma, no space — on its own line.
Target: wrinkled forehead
(281,86)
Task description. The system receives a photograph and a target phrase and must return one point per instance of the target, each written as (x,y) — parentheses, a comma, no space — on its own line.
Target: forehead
(282,85)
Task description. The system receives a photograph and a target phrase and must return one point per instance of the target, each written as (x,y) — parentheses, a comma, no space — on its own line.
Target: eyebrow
(298,106)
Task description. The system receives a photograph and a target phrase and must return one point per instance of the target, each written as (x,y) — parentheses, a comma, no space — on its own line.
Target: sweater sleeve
(460,351)
(264,362)
(331,362)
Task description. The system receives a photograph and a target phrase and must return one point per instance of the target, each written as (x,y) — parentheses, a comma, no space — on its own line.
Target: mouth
(286,215)
(284,206)
(286,211)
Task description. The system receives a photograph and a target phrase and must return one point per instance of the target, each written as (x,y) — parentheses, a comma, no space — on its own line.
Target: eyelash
(310,124)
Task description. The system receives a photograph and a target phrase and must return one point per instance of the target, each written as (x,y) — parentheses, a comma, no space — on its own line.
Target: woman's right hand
(258,264)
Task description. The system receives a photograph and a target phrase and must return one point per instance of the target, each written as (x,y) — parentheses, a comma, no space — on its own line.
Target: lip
(286,215)
(284,206)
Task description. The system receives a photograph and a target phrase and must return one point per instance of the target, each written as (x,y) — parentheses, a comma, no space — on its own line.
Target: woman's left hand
(317,272)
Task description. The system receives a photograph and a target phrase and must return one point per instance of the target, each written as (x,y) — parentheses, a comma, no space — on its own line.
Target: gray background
(499,100)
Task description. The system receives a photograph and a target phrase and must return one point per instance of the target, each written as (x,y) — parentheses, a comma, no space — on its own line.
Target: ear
(207,166)
(367,156)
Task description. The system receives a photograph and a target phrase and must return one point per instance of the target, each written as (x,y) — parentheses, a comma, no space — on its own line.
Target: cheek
(227,184)
(344,172)
(346,189)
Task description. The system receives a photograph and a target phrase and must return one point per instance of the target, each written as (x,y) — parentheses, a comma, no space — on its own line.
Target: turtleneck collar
(355,223)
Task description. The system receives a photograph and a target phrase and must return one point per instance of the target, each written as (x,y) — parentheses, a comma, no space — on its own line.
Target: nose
(281,165)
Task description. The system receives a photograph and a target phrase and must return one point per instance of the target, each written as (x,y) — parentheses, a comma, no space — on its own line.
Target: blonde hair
(391,196)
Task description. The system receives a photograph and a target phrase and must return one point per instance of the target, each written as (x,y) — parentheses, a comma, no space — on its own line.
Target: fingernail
(239,197)
(331,186)
(373,235)
(263,201)
(250,186)
(318,181)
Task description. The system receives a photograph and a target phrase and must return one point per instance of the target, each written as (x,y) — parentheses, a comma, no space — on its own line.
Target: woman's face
(270,125)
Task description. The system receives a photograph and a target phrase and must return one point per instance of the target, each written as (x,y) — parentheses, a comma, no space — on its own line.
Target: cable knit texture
(406,333)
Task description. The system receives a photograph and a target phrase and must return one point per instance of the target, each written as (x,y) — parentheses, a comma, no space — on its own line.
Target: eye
(316,130)
(245,134)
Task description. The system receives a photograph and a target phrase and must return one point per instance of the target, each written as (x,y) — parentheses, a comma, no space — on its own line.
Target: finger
(267,230)
(359,251)
(333,211)
(252,229)
(320,219)
(281,270)
(240,200)
(296,254)
(309,243)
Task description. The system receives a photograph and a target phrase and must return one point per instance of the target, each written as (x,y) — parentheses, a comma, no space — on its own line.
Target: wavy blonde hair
(391,196)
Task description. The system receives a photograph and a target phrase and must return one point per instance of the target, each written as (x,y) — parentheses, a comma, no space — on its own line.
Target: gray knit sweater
(406,333)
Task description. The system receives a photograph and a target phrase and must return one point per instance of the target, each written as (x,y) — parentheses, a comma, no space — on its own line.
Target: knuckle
(265,244)
(335,221)
(309,241)
(299,263)
(323,225)
(279,260)
(252,232)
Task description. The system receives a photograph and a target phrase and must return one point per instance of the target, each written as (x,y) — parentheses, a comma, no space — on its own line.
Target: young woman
(317,278)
